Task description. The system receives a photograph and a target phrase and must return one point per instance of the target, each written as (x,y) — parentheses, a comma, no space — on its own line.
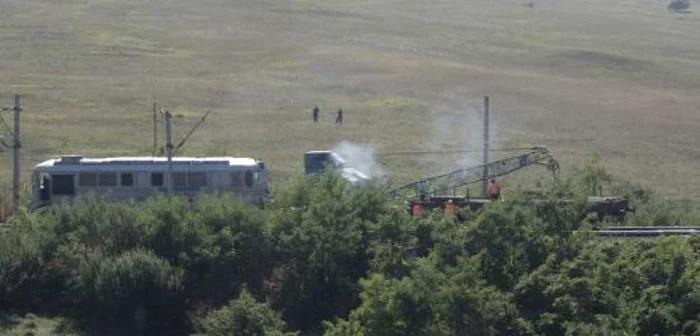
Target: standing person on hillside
(339,118)
(316,114)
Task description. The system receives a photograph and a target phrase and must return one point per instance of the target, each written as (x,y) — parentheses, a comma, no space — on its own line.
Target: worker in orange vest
(494,190)
(417,211)
(450,208)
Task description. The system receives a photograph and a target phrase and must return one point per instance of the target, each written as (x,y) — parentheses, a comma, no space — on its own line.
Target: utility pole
(15,156)
(169,145)
(486,146)
(155,127)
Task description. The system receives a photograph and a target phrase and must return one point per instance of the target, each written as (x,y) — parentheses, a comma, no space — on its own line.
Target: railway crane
(432,192)
(434,185)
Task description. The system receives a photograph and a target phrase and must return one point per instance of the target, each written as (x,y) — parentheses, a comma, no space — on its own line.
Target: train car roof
(147,160)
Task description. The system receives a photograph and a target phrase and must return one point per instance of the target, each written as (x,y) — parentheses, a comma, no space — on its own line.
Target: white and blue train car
(72,177)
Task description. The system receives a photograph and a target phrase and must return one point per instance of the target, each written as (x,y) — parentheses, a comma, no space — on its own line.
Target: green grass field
(619,78)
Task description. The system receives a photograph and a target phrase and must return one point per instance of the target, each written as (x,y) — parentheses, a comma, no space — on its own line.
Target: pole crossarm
(189,134)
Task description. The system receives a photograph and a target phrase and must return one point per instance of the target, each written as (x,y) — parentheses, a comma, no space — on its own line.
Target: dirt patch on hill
(602,58)
(590,58)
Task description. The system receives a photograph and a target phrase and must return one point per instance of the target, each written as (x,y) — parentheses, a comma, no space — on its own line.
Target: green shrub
(633,288)
(393,244)
(431,301)
(220,242)
(22,271)
(111,227)
(244,316)
(135,293)
(321,241)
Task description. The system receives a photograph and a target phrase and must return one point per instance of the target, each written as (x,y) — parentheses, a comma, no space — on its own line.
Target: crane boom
(465,176)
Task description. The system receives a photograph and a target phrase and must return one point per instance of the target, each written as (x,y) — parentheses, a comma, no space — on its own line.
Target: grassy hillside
(619,78)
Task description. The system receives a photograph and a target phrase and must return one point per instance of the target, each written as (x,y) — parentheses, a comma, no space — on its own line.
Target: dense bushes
(325,258)
(244,316)
(133,268)
(21,271)
(642,288)
(321,243)
(135,293)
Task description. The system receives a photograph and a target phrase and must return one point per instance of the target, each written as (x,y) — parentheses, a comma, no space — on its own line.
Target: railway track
(647,231)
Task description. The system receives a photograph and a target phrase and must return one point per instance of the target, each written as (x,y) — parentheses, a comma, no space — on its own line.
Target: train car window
(157,179)
(62,185)
(127,179)
(107,179)
(248,178)
(180,179)
(197,180)
(87,179)
(237,179)
(316,162)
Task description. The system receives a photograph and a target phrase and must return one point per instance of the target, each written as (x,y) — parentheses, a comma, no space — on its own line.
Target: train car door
(62,186)
(44,187)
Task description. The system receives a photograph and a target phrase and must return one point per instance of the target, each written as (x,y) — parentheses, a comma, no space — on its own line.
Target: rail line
(647,231)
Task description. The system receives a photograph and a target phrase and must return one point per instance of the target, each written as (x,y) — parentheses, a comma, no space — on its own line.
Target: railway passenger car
(72,177)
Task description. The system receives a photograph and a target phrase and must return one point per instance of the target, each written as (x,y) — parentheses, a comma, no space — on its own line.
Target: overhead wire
(439,152)
(5,124)
(3,142)
(432,152)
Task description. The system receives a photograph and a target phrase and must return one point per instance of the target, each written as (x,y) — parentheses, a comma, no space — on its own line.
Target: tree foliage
(328,258)
(321,244)
(244,316)
(135,293)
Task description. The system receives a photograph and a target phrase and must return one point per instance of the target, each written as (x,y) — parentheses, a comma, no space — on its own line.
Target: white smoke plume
(360,157)
(458,125)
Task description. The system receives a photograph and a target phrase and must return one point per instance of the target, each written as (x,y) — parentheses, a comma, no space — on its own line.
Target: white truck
(315,162)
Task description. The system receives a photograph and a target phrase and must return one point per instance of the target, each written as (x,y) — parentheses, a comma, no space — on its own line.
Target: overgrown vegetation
(327,259)
(244,316)
(5,202)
